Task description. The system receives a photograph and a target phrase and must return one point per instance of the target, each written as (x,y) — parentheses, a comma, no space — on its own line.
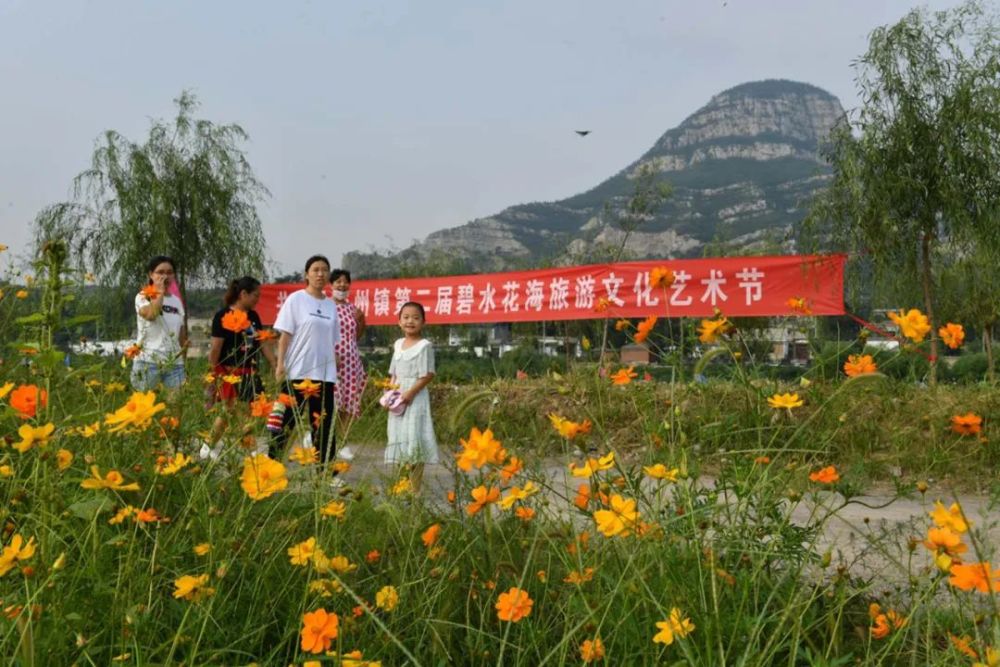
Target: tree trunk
(988,349)
(927,285)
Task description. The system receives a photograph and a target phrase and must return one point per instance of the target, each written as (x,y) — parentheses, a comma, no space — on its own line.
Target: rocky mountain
(742,167)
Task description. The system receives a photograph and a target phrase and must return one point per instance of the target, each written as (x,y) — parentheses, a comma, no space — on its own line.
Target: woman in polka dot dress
(351,377)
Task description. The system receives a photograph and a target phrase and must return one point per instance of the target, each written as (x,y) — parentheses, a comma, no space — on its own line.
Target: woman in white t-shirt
(162,334)
(307,365)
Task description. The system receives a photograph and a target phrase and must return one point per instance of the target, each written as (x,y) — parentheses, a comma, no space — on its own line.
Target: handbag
(392,400)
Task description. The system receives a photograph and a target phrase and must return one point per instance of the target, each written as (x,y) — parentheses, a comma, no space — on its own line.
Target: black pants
(319,409)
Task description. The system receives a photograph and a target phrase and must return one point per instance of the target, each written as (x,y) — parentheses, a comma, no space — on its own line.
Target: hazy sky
(380,121)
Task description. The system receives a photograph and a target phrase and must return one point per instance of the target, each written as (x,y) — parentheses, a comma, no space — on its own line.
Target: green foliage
(187,191)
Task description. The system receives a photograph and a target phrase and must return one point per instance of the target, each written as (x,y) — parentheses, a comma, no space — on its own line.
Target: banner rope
(887,334)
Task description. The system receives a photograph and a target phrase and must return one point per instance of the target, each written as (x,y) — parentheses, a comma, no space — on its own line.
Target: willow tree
(187,191)
(916,166)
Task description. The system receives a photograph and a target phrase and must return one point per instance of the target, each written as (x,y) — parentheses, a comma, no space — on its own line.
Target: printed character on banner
(466,297)
(583,292)
(443,304)
(611,285)
(713,289)
(511,295)
(644,291)
(750,281)
(535,297)
(559,294)
(681,278)
(486,302)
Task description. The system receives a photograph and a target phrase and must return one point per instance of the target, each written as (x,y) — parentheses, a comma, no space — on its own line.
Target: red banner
(737,286)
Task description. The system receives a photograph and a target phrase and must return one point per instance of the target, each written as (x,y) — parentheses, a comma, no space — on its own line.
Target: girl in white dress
(411,435)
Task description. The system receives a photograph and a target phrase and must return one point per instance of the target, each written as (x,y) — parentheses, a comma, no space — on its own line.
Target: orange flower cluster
(568,429)
(645,328)
(799,305)
(967,424)
(884,622)
(514,605)
(913,324)
(827,475)
(859,364)
(953,335)
(235,321)
(624,376)
(479,450)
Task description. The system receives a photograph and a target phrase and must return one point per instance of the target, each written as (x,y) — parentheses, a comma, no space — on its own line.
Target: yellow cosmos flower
(340,564)
(174,464)
(31,436)
(262,477)
(787,401)
(568,429)
(676,626)
(593,466)
(334,508)
(913,324)
(308,388)
(516,493)
(304,455)
(231,379)
(387,598)
(112,480)
(136,414)
(17,551)
(192,588)
(620,519)
(64,458)
(6,471)
(711,330)
(6,389)
(303,552)
(114,387)
(401,487)
(202,549)
(21,294)
(660,471)
(952,517)
(91,430)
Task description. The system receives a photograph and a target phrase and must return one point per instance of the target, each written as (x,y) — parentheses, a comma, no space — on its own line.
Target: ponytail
(236,287)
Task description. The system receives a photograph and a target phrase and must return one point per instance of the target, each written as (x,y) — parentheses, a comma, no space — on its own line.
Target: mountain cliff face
(742,169)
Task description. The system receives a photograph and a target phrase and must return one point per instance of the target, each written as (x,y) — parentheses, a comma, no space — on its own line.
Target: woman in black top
(238,341)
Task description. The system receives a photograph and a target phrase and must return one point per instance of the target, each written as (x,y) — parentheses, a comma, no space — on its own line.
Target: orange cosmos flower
(372,556)
(265,335)
(592,650)
(967,424)
(479,450)
(945,541)
(430,536)
(148,515)
(513,467)
(913,324)
(481,497)
(579,578)
(661,276)
(308,388)
(859,364)
(884,623)
(582,496)
(260,406)
(622,325)
(645,327)
(624,376)
(26,399)
(568,429)
(319,629)
(975,576)
(132,351)
(286,400)
(150,292)
(799,305)
(602,305)
(952,334)
(64,458)
(827,475)
(524,513)
(235,321)
(513,605)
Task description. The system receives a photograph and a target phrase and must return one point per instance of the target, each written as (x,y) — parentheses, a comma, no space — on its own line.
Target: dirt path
(865,539)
